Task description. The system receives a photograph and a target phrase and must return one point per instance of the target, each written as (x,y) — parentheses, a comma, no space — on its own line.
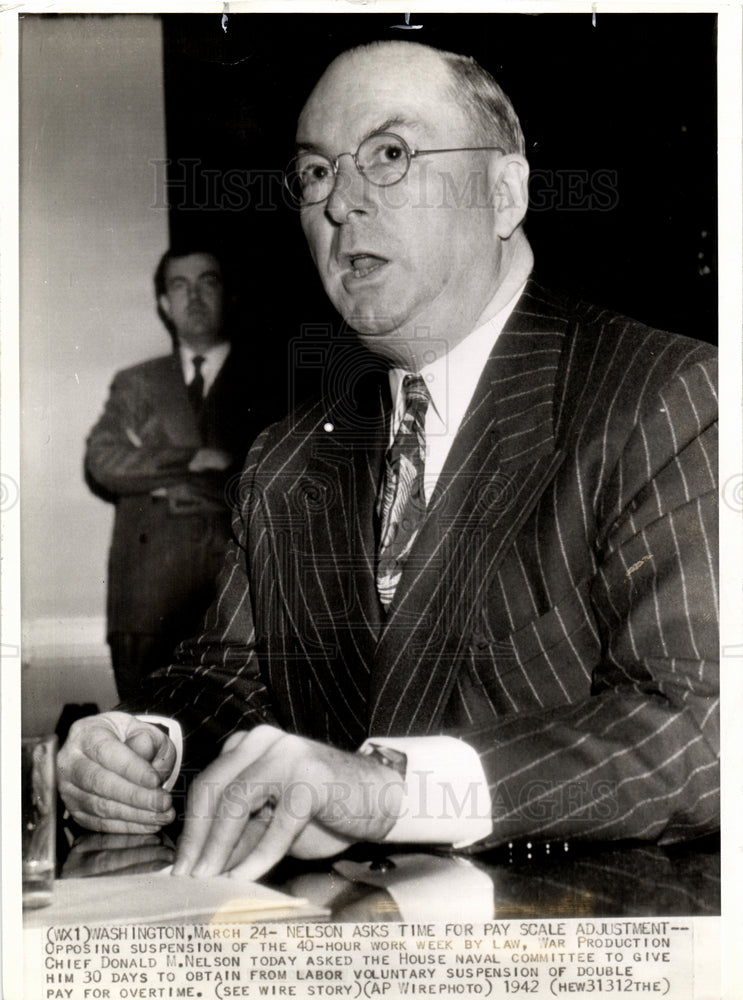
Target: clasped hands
(268,794)
(210,459)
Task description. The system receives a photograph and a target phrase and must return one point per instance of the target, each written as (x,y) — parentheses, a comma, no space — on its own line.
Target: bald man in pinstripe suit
(545,666)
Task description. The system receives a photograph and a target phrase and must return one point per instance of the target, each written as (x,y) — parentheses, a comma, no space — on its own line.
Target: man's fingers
(213,829)
(107,778)
(222,794)
(93,822)
(115,815)
(143,743)
(203,810)
(111,790)
(320,805)
(165,759)
(280,834)
(251,745)
(102,756)
(156,748)
(123,760)
(251,835)
(225,833)
(196,829)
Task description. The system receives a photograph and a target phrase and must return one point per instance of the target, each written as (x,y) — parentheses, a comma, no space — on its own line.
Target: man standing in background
(173,432)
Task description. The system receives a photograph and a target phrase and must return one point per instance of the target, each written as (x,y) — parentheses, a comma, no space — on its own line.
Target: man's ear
(164,304)
(509,187)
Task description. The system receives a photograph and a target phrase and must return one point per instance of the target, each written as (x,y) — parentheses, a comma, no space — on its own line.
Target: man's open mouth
(365,263)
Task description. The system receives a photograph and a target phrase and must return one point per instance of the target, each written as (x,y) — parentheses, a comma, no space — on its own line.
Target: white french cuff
(175,733)
(446,798)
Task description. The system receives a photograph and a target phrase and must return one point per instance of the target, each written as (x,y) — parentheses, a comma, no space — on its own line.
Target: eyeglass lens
(382,158)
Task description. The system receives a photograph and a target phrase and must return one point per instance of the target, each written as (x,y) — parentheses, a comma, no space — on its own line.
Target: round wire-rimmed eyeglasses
(382,158)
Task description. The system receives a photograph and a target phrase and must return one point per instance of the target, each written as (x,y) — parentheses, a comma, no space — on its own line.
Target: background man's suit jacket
(559,608)
(167,552)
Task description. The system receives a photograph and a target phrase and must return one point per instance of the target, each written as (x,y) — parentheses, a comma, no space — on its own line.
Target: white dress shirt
(214,357)
(451,380)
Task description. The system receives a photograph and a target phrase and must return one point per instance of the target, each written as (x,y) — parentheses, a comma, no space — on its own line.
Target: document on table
(161,898)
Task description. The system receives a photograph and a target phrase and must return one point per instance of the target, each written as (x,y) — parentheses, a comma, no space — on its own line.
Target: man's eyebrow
(209,273)
(306,147)
(388,125)
(399,121)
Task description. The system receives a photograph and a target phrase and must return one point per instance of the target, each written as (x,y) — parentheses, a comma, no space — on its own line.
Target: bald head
(402,71)
(463,82)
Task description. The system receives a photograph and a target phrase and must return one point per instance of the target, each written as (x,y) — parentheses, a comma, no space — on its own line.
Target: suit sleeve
(639,757)
(215,687)
(126,451)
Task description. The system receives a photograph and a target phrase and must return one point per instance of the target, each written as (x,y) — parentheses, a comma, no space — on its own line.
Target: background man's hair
(175,253)
(492,113)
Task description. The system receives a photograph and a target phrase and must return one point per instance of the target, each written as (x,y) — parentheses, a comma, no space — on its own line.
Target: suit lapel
(499,464)
(329,565)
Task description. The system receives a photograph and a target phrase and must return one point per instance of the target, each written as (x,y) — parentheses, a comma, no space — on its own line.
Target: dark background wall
(620,122)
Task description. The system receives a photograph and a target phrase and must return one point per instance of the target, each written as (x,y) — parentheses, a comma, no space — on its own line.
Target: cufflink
(382,865)
(395,759)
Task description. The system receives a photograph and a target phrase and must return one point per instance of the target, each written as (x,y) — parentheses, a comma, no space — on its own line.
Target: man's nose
(194,293)
(350,191)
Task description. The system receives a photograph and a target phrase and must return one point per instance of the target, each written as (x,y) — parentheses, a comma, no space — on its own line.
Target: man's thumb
(144,742)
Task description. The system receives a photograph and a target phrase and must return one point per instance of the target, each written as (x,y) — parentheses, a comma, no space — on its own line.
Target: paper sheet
(158,898)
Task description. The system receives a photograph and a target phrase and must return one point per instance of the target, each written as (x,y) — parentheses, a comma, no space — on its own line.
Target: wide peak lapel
(351,451)
(515,398)
(325,508)
(499,464)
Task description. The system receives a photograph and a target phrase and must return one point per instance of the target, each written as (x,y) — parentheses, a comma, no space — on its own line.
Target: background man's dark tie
(196,385)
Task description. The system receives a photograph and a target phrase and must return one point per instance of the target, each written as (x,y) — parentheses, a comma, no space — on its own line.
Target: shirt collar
(214,357)
(452,377)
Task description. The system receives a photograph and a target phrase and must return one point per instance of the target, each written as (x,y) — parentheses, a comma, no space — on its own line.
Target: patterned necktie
(401,504)
(196,386)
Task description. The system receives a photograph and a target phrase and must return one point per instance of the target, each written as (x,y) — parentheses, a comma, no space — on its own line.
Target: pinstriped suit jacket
(559,608)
